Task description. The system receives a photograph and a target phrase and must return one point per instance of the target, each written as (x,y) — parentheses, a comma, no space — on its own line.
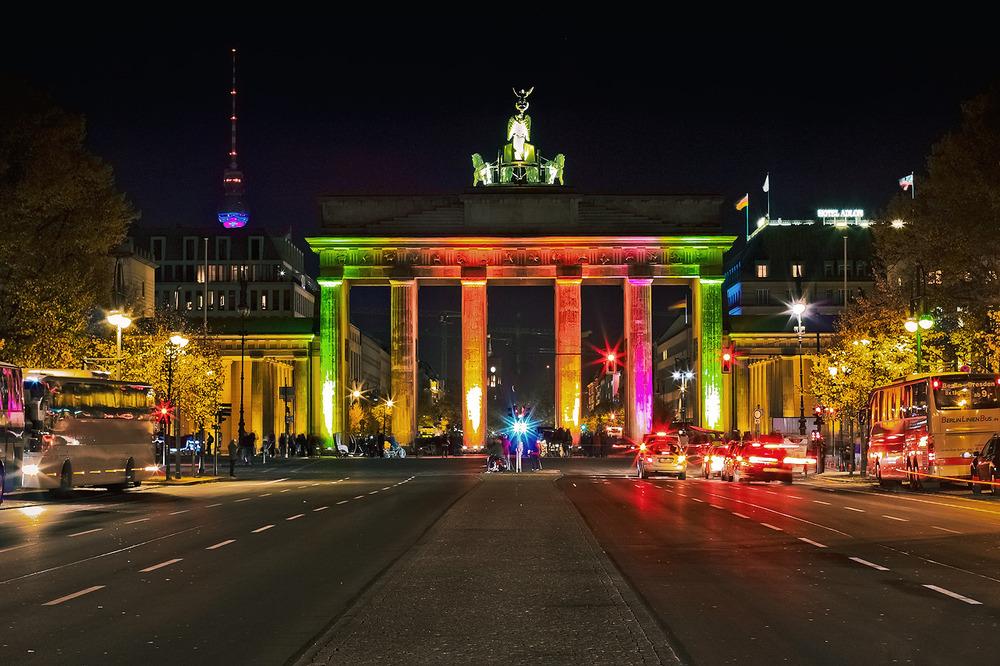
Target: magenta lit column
(639,361)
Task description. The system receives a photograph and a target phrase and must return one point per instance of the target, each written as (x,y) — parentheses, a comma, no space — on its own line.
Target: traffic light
(818,410)
(728,355)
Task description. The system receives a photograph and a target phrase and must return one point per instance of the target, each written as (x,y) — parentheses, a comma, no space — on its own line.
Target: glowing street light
(179,341)
(897,224)
(799,309)
(917,327)
(682,377)
(120,321)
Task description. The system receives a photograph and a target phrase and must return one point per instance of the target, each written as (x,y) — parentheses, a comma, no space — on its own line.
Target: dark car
(760,459)
(987,467)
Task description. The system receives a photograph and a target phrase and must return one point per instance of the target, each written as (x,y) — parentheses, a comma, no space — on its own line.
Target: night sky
(836,114)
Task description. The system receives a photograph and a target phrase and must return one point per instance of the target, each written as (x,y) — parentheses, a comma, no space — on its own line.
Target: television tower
(233,213)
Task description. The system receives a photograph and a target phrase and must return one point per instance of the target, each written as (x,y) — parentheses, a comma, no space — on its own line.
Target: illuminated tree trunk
(567,319)
(474,362)
(707,309)
(403,312)
(639,363)
(334,333)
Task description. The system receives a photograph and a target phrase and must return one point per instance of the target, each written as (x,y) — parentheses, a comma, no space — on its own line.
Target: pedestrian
(283,444)
(520,452)
(300,444)
(505,443)
(536,457)
(232,457)
(445,445)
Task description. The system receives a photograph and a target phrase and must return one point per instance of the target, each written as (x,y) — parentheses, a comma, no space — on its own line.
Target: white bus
(11,426)
(927,427)
(86,430)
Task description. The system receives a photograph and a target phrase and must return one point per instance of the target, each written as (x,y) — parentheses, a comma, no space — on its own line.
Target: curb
(160,483)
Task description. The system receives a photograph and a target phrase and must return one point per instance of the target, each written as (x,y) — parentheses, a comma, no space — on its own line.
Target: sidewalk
(843,478)
(510,574)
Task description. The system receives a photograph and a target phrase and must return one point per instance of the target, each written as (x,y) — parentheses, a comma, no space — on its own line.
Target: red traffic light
(728,355)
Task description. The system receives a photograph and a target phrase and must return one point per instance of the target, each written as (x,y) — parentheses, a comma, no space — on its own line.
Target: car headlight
(681,458)
(31,470)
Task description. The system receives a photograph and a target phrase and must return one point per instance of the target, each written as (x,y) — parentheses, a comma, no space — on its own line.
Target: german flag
(744,202)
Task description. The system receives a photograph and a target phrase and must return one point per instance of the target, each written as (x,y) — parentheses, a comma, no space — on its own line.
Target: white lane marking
(177,513)
(942,564)
(7,550)
(667,490)
(313,485)
(245,499)
(574,485)
(285,490)
(343,501)
(161,565)
(773,527)
(716,506)
(902,520)
(137,520)
(698,500)
(264,495)
(954,595)
(812,543)
(681,494)
(212,505)
(275,481)
(96,529)
(97,557)
(305,486)
(359,497)
(386,488)
(221,544)
(321,508)
(373,492)
(793,496)
(786,515)
(739,515)
(56,602)
(868,564)
(821,502)
(851,508)
(262,529)
(295,517)
(945,529)
(770,492)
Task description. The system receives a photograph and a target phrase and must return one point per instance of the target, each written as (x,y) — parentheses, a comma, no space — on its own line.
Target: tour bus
(86,430)
(11,426)
(930,425)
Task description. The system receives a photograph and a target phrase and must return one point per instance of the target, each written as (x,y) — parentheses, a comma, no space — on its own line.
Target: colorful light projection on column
(332,315)
(710,292)
(403,358)
(639,345)
(474,362)
(567,320)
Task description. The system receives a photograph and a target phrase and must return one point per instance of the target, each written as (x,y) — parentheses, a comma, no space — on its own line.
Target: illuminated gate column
(706,293)
(567,318)
(639,361)
(335,330)
(403,359)
(474,361)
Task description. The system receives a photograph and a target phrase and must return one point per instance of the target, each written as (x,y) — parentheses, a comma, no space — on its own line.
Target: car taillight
(649,460)
(759,460)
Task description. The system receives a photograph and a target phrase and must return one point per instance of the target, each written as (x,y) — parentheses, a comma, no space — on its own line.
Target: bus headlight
(31,470)
(152,468)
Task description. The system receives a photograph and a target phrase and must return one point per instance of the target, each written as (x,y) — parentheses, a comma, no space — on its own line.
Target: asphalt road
(768,573)
(244,572)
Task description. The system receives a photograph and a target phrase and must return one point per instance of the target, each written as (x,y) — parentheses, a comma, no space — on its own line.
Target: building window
(828,269)
(861,269)
(840,269)
(232,300)
(797,270)
(157,248)
(288,299)
(190,248)
(763,297)
(222,249)
(761,269)
(253,299)
(256,248)
(263,300)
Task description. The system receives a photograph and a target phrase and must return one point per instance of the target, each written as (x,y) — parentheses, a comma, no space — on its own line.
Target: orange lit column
(474,361)
(567,318)
(639,362)
(403,359)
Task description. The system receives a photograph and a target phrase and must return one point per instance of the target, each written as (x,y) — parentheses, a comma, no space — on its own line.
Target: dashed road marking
(262,529)
(343,501)
(211,505)
(812,543)
(244,499)
(773,527)
(373,492)
(264,495)
(7,550)
(359,497)
(945,529)
(96,529)
(275,481)
(56,602)
(285,490)
(221,544)
(161,565)
(386,488)
(697,500)
(877,567)
(716,506)
(321,508)
(739,515)
(902,520)
(821,502)
(793,496)
(177,513)
(295,517)
(851,508)
(786,515)
(954,595)
(137,520)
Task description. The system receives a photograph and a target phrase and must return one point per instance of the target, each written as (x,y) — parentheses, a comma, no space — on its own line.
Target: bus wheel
(65,481)
(129,474)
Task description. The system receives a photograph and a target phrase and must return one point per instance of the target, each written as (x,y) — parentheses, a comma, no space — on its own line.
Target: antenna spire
(233,213)
(232,117)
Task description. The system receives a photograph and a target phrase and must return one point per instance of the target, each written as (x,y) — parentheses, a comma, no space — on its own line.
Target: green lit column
(334,329)
(403,359)
(707,292)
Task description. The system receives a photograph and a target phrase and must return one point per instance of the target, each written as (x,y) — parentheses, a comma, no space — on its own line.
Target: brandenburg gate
(519,225)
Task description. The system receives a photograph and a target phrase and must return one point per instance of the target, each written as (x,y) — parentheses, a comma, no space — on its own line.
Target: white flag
(767,182)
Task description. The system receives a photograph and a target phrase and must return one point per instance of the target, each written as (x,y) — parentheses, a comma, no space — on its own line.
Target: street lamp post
(176,343)
(917,326)
(244,309)
(120,321)
(799,309)
(683,378)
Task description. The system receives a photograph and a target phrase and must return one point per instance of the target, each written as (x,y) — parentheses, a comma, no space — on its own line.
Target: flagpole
(768,179)
(746,209)
(913,187)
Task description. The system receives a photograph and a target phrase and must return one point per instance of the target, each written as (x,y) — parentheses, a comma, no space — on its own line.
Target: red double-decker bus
(925,428)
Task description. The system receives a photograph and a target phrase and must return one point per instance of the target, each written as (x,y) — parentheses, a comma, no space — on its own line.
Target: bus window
(967,393)
(904,409)
(918,406)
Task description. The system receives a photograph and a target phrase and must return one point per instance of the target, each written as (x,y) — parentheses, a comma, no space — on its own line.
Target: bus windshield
(967,393)
(101,399)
